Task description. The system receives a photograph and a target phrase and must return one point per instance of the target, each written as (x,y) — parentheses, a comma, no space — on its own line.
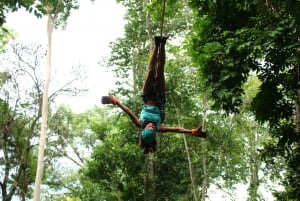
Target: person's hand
(199,133)
(109,100)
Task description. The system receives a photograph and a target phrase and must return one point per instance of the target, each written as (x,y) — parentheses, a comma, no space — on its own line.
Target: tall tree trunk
(297,150)
(149,178)
(204,148)
(44,124)
(254,165)
(205,175)
(298,112)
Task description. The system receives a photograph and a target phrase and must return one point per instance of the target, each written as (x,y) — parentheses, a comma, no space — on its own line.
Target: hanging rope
(162,18)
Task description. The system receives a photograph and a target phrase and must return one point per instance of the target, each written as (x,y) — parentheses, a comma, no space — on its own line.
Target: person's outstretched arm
(195,132)
(114,100)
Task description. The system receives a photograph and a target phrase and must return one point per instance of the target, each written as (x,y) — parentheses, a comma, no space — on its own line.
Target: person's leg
(160,71)
(160,79)
(148,84)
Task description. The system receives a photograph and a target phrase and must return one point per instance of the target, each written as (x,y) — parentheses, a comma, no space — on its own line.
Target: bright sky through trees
(84,42)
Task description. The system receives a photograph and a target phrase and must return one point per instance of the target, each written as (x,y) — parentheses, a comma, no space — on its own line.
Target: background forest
(232,67)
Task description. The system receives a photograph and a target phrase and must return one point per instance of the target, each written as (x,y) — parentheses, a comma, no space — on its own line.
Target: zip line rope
(162,18)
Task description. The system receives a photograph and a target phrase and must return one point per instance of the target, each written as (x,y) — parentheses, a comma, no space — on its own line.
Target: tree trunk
(205,175)
(149,178)
(254,165)
(298,114)
(44,124)
(204,159)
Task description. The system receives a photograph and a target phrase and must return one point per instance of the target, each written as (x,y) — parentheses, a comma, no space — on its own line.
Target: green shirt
(152,114)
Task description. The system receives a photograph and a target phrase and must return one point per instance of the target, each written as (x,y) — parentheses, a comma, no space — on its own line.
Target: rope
(162,18)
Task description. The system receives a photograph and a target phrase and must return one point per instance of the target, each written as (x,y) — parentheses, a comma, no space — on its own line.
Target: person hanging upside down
(153,112)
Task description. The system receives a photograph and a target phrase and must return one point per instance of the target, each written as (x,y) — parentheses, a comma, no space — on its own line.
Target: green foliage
(12,6)
(238,48)
(38,8)
(4,77)
(65,129)
(5,36)
(18,163)
(253,36)
(171,176)
(90,191)
(115,165)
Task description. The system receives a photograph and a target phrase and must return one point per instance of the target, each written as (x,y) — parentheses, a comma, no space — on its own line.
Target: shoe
(157,40)
(164,39)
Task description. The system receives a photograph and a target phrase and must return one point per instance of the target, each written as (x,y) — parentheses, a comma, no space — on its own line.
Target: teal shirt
(152,114)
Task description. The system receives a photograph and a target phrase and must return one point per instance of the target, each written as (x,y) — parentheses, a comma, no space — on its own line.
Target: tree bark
(149,178)
(205,175)
(44,124)
(204,147)
(254,166)
(298,113)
